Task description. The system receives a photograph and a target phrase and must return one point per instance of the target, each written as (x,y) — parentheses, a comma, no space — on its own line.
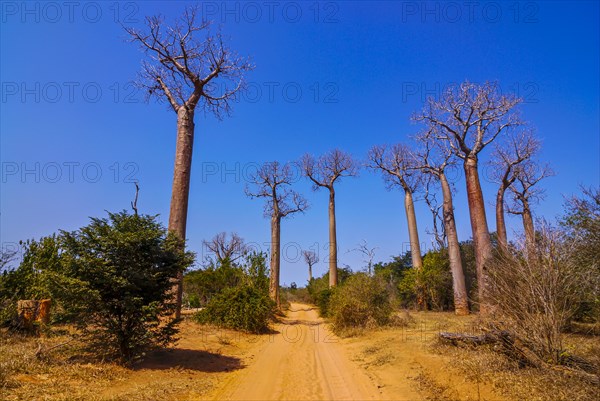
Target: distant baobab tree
(189,67)
(433,160)
(508,155)
(311,258)
(324,172)
(272,181)
(525,193)
(469,117)
(397,163)
(223,248)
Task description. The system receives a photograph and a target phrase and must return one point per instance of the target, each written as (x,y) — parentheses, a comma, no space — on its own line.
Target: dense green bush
(41,275)
(431,285)
(127,264)
(361,301)
(319,292)
(243,308)
(113,278)
(239,296)
(199,286)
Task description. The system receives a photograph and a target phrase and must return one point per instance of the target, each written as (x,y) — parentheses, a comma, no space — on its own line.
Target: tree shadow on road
(191,359)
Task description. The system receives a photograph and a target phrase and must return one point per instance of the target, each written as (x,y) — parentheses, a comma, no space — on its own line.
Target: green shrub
(244,307)
(240,297)
(323,298)
(361,301)
(432,284)
(199,286)
(126,264)
(113,278)
(319,292)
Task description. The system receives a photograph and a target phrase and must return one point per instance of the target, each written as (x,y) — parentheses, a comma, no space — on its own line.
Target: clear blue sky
(68,113)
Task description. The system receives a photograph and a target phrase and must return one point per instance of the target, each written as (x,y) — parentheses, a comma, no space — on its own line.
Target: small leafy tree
(127,264)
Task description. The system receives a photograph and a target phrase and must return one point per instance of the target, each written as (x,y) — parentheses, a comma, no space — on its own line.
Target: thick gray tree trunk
(481,234)
(333,273)
(500,222)
(275,258)
(529,232)
(413,233)
(461,303)
(181,187)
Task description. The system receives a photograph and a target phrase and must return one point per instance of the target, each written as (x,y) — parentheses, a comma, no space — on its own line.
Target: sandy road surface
(303,361)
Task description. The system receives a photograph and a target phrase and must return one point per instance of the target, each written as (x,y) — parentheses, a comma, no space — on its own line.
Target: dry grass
(485,364)
(204,356)
(445,372)
(24,376)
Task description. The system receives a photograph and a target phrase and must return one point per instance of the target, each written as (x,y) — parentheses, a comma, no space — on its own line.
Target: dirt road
(302,361)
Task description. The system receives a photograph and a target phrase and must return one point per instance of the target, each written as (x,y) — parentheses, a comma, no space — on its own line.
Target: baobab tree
(525,193)
(272,181)
(224,248)
(397,167)
(469,117)
(517,149)
(433,160)
(189,67)
(311,258)
(323,173)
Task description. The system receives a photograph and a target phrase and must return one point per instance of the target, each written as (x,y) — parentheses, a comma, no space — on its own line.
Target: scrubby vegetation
(233,296)
(361,301)
(112,279)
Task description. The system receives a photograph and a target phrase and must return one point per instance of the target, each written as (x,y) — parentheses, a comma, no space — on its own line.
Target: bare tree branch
(227,249)
(272,181)
(187,69)
(397,165)
(326,170)
(470,116)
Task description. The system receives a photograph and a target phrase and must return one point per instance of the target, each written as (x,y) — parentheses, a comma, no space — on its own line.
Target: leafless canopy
(367,252)
(470,116)
(227,249)
(515,150)
(432,155)
(272,181)
(310,257)
(524,191)
(327,169)
(397,163)
(188,64)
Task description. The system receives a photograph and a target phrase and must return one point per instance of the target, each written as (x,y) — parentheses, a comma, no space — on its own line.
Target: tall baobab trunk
(275,257)
(461,303)
(479,226)
(181,186)
(309,273)
(500,222)
(333,273)
(413,234)
(529,232)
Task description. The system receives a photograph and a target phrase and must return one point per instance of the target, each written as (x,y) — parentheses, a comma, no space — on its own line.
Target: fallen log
(456,338)
(516,349)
